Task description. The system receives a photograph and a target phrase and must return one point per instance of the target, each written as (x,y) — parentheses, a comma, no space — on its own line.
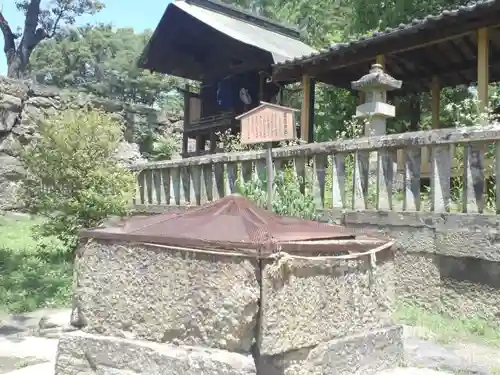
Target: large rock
(80,353)
(363,354)
(11,172)
(14,87)
(166,295)
(10,110)
(23,104)
(10,145)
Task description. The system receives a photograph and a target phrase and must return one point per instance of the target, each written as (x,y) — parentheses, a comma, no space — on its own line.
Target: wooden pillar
(361,98)
(262,83)
(436,101)
(200,144)
(305,115)
(281,94)
(213,142)
(187,110)
(380,59)
(482,67)
(185,140)
(312,98)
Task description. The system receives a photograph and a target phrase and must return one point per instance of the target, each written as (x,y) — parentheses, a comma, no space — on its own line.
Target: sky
(120,13)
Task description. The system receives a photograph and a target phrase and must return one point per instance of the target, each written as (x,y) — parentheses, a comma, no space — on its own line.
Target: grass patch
(34,273)
(438,327)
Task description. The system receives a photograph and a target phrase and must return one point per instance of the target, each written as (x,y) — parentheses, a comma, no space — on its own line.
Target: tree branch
(56,23)
(8,35)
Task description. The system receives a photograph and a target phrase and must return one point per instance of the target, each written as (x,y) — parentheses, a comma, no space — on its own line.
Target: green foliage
(165,147)
(42,20)
(59,12)
(34,272)
(448,329)
(291,194)
(72,176)
(324,22)
(368,15)
(103,61)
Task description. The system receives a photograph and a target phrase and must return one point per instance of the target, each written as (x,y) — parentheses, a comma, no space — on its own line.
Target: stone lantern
(375,85)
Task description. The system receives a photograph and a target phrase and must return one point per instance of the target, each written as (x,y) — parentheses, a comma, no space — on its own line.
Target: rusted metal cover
(267,123)
(233,223)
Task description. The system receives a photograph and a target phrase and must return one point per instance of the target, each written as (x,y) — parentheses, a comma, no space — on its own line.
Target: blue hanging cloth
(224,94)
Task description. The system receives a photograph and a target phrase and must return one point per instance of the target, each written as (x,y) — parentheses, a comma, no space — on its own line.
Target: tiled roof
(281,46)
(400,31)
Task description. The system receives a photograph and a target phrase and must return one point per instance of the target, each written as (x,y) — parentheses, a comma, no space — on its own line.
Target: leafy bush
(72,175)
(165,147)
(291,194)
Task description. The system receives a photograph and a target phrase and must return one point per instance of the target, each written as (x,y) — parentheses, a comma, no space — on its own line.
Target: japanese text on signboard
(267,124)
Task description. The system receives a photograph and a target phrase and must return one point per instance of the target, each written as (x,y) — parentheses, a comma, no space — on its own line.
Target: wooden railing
(356,174)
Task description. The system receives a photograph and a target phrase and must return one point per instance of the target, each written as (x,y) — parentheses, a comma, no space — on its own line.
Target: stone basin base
(83,353)
(361,354)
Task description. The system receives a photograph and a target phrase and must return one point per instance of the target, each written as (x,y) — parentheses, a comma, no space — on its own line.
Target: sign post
(268,123)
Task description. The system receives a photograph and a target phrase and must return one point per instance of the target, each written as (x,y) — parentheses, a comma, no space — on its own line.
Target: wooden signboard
(267,123)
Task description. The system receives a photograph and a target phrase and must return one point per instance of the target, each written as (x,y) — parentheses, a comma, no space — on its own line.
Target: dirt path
(21,351)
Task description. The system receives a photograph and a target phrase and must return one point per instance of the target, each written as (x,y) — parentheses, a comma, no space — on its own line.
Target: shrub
(165,147)
(291,194)
(72,175)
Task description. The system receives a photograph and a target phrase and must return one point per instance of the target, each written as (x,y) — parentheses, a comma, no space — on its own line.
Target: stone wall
(24,104)
(446,262)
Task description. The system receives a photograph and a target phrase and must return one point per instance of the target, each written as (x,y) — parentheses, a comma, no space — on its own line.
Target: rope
(277,256)
(371,252)
(281,267)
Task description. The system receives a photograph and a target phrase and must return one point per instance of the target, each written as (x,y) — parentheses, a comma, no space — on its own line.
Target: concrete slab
(28,347)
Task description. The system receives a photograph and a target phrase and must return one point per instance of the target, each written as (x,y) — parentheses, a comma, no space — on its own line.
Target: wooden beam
(435,104)
(305,113)
(482,67)
(445,70)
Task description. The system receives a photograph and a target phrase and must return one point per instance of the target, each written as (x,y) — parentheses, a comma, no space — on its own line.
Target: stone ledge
(362,354)
(435,220)
(80,353)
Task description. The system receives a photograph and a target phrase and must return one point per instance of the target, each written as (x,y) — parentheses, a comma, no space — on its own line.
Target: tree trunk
(17,65)
(18,56)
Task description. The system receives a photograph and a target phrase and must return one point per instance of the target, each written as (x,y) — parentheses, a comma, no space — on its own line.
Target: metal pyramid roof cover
(231,223)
